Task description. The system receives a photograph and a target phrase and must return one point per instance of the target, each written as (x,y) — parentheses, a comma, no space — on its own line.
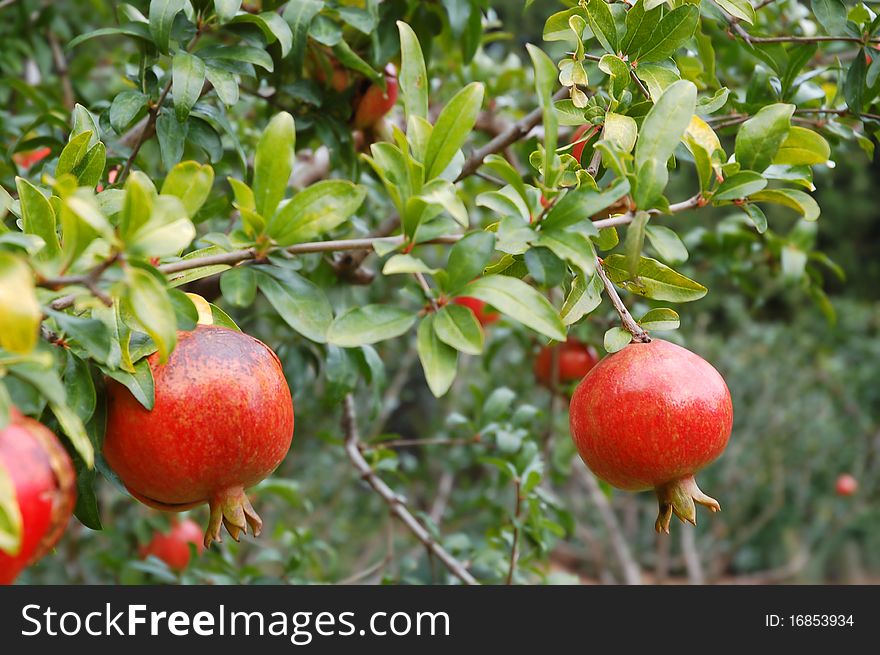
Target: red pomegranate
(651,416)
(45,489)
(375,103)
(575,361)
(579,133)
(173,548)
(478,307)
(846,485)
(28,159)
(222,421)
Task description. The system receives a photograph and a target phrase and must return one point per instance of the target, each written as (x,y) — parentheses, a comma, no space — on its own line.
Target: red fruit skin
(28,159)
(43,478)
(650,414)
(375,103)
(846,485)
(222,421)
(478,307)
(578,150)
(576,359)
(173,548)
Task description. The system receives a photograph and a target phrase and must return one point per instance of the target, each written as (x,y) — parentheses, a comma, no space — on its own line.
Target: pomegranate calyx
(232,509)
(680,497)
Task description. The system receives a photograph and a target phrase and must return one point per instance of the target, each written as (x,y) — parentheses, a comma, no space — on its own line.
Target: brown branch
(629,323)
(395,502)
(406,443)
(63,71)
(514,133)
(514,547)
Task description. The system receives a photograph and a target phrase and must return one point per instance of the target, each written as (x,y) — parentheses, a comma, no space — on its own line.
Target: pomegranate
(173,548)
(45,489)
(28,159)
(846,485)
(478,307)
(221,422)
(375,103)
(575,361)
(651,416)
(579,133)
(339,79)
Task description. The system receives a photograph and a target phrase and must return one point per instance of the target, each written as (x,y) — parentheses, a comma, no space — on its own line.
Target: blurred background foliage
(803,371)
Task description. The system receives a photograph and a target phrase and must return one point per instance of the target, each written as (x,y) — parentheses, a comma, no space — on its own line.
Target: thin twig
(395,502)
(514,547)
(406,443)
(629,323)
(426,289)
(63,71)
(595,161)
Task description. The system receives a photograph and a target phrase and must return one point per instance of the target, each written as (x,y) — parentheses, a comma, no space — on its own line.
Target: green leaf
(616,339)
(413,76)
(831,14)
(140,383)
(545,83)
(739,185)
(239,286)
(83,121)
(654,280)
(224,83)
(398,264)
(147,300)
(635,241)
(73,428)
(226,9)
(136,30)
(191,182)
(667,244)
(756,216)
(620,130)
(673,31)
(360,326)
(439,361)
(20,313)
(315,210)
(802,147)
(467,259)
(188,78)
(162,14)
(602,24)
(172,138)
(577,206)
(301,303)
(557,26)
(741,9)
(457,326)
(221,318)
(90,333)
(792,198)
(640,24)
(518,300)
(238,54)
(10,515)
(666,122)
(661,319)
(574,247)
(299,17)
(73,153)
(584,297)
(38,217)
(452,129)
(854,85)
(193,274)
(273,163)
(546,269)
(760,137)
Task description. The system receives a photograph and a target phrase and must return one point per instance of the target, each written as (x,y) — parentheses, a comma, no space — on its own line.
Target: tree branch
(395,502)
(514,547)
(629,323)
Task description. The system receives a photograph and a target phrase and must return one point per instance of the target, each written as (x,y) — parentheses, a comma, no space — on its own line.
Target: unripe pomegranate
(575,361)
(221,422)
(651,416)
(578,150)
(45,490)
(478,307)
(846,485)
(173,548)
(375,103)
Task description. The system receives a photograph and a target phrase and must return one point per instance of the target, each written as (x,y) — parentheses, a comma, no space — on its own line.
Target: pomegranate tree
(222,421)
(649,417)
(173,547)
(45,490)
(576,359)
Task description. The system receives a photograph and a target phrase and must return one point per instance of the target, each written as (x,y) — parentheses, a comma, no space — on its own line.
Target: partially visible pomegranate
(478,307)
(45,489)
(579,133)
(173,547)
(651,416)
(339,77)
(846,485)
(222,421)
(28,159)
(576,359)
(375,103)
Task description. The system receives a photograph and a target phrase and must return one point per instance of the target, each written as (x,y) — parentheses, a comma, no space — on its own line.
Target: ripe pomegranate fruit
(339,78)
(45,489)
(575,361)
(375,103)
(173,548)
(222,421)
(846,485)
(651,416)
(478,307)
(28,159)
(579,133)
